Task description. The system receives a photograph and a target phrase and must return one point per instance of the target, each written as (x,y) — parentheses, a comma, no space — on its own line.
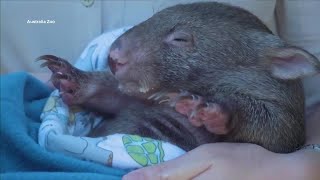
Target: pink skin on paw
(67,89)
(67,98)
(214,119)
(186,106)
(211,116)
(196,121)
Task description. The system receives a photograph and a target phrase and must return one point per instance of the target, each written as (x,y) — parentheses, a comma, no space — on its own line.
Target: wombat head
(195,46)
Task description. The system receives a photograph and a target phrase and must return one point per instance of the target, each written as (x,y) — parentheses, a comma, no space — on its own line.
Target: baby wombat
(229,78)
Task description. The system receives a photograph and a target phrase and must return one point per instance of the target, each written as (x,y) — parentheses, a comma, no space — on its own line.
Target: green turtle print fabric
(64,129)
(144,151)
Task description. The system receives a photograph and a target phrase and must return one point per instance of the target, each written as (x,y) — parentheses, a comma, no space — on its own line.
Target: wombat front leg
(66,78)
(200,111)
(242,118)
(95,91)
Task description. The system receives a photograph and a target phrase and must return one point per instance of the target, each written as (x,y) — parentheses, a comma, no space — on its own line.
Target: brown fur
(217,51)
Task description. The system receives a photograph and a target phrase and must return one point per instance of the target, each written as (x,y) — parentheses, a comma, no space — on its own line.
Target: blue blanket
(22,100)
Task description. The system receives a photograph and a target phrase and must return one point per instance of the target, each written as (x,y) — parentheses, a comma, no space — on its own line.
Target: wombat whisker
(143,84)
(164,101)
(156,96)
(152,96)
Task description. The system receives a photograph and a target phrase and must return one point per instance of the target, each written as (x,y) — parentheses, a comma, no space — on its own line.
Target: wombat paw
(55,64)
(68,91)
(213,117)
(64,77)
(202,113)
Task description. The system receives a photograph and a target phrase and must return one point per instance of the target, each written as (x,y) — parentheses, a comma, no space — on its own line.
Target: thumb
(187,166)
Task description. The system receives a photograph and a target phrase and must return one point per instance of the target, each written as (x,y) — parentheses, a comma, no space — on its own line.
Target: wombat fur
(219,52)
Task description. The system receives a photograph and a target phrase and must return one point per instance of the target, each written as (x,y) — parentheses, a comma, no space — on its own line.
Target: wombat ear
(292,63)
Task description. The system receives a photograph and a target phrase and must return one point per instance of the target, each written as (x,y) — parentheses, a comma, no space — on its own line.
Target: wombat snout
(116,60)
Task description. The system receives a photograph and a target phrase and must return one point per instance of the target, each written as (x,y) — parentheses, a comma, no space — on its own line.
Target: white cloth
(64,128)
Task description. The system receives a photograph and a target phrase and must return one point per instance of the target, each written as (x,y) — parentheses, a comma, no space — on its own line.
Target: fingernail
(135,175)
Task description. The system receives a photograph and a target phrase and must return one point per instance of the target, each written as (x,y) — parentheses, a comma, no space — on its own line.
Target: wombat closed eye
(228,77)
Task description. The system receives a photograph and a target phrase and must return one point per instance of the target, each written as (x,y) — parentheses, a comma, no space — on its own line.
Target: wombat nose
(115,64)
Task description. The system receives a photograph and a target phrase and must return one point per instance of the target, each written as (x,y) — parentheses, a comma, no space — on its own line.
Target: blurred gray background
(77,22)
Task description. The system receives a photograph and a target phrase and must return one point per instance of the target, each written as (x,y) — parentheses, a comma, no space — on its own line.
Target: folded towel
(22,100)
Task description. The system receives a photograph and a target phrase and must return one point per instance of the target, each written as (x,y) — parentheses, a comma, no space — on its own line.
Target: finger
(168,172)
(206,175)
(187,166)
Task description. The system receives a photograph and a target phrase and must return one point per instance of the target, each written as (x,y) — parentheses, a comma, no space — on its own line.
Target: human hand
(213,161)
